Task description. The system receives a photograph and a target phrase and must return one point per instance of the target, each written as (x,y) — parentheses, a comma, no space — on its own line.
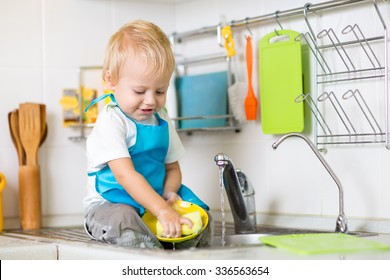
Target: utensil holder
(30,196)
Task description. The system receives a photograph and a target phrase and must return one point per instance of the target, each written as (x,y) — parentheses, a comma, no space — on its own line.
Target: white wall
(44,43)
(290,181)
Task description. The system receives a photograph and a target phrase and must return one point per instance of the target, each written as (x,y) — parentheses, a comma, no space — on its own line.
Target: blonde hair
(139,37)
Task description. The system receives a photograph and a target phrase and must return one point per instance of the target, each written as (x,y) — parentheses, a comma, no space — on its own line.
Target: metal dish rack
(81,126)
(181,67)
(327,75)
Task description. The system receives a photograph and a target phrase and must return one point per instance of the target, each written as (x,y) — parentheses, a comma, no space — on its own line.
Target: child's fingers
(186,221)
(169,230)
(173,198)
(173,230)
(178,230)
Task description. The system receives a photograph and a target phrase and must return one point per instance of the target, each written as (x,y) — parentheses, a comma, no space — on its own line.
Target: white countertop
(22,246)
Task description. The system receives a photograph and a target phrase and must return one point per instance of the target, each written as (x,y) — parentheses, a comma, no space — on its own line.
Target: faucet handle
(245,185)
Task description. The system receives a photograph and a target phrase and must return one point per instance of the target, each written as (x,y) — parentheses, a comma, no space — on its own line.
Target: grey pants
(121,225)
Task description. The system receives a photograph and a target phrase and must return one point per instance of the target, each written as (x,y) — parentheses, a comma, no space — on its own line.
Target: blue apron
(148,155)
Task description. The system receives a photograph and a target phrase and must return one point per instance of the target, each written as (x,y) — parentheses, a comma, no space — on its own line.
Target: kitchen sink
(252,239)
(239,240)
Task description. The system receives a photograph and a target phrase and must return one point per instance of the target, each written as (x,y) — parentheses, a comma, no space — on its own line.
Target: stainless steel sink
(240,240)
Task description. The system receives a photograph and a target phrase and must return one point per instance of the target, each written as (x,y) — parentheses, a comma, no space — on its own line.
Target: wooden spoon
(10,129)
(44,135)
(30,130)
(43,123)
(13,121)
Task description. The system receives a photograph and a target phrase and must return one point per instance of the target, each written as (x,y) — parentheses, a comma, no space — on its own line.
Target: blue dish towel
(202,95)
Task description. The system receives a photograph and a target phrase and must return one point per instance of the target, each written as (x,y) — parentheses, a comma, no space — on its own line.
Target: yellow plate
(181,207)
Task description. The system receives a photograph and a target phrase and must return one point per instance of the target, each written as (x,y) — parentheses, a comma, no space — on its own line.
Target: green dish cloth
(322,243)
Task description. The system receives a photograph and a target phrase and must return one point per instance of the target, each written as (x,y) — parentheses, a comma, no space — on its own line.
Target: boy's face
(139,94)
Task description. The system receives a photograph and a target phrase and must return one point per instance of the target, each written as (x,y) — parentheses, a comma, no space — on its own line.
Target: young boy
(133,149)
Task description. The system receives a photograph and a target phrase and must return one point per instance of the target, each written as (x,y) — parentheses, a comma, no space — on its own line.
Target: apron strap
(100,98)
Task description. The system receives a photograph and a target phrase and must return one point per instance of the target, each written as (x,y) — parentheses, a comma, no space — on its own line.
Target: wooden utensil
(42,111)
(30,196)
(43,123)
(13,121)
(44,135)
(30,130)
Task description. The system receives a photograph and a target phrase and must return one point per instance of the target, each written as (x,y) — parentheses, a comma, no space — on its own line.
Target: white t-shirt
(113,134)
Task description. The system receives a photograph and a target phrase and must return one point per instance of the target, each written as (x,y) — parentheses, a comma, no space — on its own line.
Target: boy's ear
(108,80)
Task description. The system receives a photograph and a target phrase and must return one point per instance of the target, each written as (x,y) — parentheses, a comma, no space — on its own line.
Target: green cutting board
(322,243)
(280,70)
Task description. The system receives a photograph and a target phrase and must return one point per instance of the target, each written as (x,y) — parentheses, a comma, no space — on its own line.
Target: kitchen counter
(73,243)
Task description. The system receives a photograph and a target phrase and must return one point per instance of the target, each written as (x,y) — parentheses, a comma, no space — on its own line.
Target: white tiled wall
(291,180)
(43,44)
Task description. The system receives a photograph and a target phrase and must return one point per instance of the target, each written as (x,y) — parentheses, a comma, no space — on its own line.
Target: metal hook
(219,35)
(277,20)
(305,10)
(247,27)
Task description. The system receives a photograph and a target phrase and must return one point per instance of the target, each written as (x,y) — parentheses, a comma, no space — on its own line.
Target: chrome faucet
(240,193)
(341,223)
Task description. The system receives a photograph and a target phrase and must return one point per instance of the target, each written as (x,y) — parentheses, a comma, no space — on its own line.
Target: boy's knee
(130,238)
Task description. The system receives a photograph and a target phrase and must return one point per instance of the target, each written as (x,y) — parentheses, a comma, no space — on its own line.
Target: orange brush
(250,100)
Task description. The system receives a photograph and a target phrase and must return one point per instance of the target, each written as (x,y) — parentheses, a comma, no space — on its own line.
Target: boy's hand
(172,222)
(171,197)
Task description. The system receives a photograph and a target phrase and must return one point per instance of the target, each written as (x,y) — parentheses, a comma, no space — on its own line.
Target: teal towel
(202,95)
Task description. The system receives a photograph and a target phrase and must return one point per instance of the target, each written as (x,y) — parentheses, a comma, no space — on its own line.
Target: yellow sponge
(196,219)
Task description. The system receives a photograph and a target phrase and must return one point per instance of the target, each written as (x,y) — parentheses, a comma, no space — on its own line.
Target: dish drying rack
(181,65)
(81,126)
(327,74)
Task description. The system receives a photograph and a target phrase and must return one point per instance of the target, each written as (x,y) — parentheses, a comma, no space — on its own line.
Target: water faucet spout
(240,194)
(341,223)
